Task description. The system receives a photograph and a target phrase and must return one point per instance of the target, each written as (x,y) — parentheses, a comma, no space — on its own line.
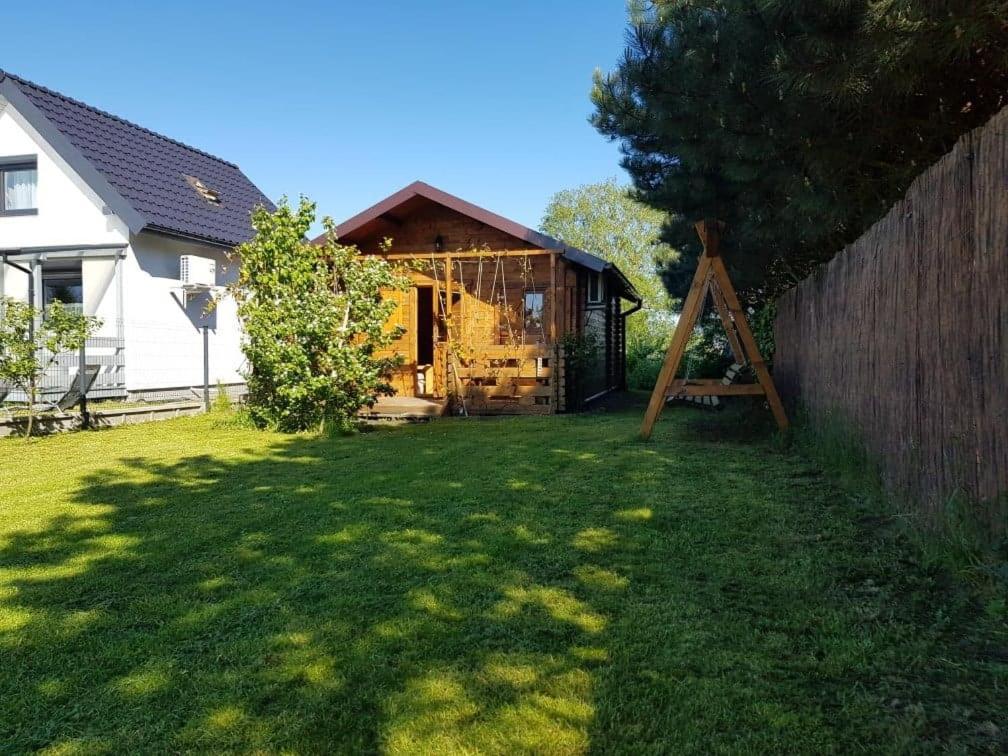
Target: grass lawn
(527,584)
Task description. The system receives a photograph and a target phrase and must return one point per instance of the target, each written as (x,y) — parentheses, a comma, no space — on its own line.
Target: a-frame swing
(712,277)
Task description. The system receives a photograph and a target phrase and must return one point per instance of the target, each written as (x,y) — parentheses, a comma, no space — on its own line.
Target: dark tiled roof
(150,171)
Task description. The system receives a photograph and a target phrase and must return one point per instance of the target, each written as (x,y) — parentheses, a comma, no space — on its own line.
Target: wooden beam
(473,254)
(716,389)
(722,310)
(554,305)
(684,328)
(448,295)
(749,342)
(554,297)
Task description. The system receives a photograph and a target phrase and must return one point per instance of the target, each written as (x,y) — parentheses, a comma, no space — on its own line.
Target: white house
(98,213)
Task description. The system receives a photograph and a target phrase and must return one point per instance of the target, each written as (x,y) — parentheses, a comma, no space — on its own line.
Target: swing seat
(710,402)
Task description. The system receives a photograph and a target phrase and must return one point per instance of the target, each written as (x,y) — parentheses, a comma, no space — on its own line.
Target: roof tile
(149,170)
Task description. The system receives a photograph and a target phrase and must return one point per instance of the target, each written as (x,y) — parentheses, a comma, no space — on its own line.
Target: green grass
(967,538)
(529,584)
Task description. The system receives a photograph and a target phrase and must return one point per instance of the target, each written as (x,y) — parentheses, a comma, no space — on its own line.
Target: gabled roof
(406,197)
(148,180)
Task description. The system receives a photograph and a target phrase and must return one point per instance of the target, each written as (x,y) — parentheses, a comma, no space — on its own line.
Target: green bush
(761,320)
(580,353)
(644,360)
(707,356)
(315,322)
(707,353)
(221,402)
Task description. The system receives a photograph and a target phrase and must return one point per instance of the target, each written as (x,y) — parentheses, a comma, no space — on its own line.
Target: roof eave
(134,221)
(196,238)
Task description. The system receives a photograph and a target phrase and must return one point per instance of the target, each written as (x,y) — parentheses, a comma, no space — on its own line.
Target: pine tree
(798,122)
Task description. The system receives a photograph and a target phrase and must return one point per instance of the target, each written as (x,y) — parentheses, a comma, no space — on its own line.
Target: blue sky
(347,102)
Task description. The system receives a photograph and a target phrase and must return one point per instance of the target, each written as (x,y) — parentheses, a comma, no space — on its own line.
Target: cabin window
(18,186)
(596,293)
(535,310)
(63,282)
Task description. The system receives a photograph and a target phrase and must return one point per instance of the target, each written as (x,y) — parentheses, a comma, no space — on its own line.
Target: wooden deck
(405,409)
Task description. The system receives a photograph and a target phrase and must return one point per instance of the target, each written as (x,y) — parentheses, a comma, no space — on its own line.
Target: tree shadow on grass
(319,596)
(536,585)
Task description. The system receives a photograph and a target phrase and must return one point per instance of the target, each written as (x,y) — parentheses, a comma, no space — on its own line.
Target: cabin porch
(481,331)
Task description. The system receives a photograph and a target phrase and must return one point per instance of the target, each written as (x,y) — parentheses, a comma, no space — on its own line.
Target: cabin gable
(430,226)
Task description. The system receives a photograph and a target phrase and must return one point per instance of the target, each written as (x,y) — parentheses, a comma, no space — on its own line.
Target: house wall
(487,309)
(164,339)
(602,322)
(69,213)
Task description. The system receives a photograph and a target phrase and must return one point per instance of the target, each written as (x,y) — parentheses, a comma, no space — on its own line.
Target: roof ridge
(114,117)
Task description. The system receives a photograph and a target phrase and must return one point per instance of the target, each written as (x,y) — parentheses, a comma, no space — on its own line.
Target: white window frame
(10,165)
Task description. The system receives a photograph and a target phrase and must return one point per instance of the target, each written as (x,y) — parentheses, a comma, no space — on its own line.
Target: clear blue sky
(347,102)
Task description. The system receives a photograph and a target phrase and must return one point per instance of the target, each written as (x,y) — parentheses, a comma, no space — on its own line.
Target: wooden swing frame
(712,278)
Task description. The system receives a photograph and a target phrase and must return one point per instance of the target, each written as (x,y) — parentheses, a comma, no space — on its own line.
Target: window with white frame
(19,185)
(596,289)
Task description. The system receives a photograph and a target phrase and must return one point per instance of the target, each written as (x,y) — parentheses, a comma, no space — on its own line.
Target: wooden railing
(494,379)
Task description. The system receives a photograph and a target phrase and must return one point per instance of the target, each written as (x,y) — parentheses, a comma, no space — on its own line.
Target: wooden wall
(489,296)
(457,231)
(905,333)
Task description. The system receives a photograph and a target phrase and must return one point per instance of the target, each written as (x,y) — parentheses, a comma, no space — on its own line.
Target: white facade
(130,281)
(163,326)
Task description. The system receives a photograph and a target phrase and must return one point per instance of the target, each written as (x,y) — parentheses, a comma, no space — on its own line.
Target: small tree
(26,353)
(314,321)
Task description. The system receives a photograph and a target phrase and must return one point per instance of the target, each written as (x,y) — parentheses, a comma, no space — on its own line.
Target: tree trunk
(31,408)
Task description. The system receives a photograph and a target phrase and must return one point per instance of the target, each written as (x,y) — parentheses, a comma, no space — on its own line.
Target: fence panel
(104,352)
(905,333)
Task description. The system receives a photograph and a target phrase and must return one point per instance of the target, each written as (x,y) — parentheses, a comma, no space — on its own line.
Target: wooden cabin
(490,306)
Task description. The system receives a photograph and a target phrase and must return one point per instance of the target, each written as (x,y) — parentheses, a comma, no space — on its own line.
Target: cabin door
(425,340)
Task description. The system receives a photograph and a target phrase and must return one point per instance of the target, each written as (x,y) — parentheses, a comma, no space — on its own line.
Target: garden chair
(73,395)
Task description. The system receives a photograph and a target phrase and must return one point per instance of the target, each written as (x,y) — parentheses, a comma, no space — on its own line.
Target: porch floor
(406,408)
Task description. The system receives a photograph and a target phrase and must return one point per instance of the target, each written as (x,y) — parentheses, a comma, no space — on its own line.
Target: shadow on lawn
(544,585)
(298,600)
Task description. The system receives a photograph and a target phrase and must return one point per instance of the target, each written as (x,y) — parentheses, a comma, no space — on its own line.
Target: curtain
(19,189)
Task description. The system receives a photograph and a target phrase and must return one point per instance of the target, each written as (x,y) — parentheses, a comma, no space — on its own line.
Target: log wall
(904,334)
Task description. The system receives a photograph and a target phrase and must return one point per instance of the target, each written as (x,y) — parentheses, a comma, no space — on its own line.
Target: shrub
(314,320)
(580,353)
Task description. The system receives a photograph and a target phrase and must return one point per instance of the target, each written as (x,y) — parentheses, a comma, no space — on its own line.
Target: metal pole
(206,368)
(82,383)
